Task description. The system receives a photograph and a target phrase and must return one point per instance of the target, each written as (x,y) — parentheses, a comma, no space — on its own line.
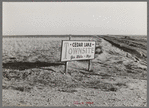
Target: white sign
(77,50)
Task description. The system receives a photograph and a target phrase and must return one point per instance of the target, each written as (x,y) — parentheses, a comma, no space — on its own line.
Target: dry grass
(33,65)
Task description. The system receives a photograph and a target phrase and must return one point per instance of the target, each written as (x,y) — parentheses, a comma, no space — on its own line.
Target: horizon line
(76,34)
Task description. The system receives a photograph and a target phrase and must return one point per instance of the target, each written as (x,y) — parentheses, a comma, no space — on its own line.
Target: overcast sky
(84,18)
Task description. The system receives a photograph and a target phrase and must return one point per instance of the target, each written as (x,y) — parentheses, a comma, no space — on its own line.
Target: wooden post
(69,37)
(66,63)
(66,66)
(89,65)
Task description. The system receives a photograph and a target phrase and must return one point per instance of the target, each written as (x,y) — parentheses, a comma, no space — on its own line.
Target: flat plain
(33,74)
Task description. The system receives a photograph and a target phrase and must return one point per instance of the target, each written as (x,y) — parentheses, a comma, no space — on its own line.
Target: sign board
(77,50)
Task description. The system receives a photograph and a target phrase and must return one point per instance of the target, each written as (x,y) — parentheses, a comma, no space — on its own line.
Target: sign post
(90,65)
(77,50)
(66,63)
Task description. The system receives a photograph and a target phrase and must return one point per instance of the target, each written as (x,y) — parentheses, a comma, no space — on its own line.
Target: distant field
(44,36)
(48,48)
(34,49)
(31,49)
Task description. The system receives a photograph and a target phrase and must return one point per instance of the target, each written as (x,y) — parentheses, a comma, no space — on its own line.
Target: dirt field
(34,76)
